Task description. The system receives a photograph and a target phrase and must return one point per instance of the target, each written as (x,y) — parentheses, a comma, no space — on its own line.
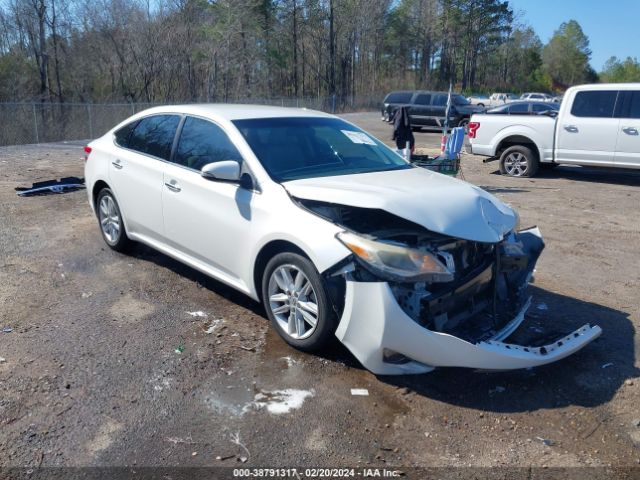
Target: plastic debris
(7,329)
(198,313)
(542,306)
(607,365)
(363,392)
(51,186)
(2,359)
(86,294)
(179,349)
(546,441)
(193,454)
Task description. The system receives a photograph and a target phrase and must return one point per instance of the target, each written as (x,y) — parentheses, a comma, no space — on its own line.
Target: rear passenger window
(398,97)
(154,135)
(423,99)
(202,142)
(596,103)
(631,105)
(519,109)
(122,135)
(540,107)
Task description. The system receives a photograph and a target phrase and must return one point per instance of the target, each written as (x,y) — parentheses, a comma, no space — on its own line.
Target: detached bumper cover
(372,321)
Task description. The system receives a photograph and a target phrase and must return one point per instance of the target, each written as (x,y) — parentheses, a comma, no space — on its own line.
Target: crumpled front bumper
(373,321)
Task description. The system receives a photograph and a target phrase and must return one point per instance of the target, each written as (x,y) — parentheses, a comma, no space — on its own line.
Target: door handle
(571,128)
(630,130)
(173,186)
(117,164)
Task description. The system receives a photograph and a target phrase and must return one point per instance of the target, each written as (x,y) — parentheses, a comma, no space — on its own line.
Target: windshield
(309,147)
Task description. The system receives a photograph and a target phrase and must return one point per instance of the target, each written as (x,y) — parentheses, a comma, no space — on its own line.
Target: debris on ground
(68,184)
(546,441)
(360,392)
(248,349)
(213,326)
(542,306)
(7,329)
(636,422)
(628,382)
(179,349)
(2,359)
(198,313)
(607,365)
(498,389)
(86,294)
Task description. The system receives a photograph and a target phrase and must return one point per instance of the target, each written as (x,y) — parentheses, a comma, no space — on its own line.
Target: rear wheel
(464,123)
(111,224)
(519,161)
(296,302)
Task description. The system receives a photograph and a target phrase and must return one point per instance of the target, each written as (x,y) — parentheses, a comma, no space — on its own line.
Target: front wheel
(519,161)
(296,302)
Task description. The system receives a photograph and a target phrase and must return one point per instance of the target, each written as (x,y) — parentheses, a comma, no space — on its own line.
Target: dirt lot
(92,373)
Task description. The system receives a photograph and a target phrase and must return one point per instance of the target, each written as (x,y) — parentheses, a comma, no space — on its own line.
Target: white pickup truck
(597,125)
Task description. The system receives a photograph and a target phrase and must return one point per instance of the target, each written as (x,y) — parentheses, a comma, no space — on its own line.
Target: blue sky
(613,26)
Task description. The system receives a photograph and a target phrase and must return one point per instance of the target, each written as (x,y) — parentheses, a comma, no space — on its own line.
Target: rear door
(420,109)
(587,131)
(136,171)
(628,145)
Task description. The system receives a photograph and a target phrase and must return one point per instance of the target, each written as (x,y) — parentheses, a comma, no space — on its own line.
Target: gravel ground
(92,374)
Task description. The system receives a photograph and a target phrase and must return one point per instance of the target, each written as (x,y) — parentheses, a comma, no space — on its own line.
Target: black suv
(427,109)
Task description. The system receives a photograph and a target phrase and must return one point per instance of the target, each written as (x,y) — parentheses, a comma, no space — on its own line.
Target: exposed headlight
(396,262)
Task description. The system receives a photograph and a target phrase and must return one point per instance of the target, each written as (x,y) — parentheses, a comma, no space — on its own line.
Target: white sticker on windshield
(359,137)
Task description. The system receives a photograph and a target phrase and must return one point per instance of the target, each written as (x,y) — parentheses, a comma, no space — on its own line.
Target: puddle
(279,402)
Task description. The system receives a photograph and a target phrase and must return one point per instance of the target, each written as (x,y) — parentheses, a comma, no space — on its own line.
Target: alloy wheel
(516,164)
(109,219)
(293,301)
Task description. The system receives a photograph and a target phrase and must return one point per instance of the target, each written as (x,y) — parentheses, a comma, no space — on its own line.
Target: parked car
(494,100)
(330,229)
(524,108)
(480,99)
(427,109)
(596,125)
(539,97)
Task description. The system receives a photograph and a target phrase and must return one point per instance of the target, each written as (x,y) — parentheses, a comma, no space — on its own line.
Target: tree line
(223,50)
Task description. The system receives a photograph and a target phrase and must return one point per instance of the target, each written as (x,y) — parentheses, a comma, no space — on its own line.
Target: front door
(206,220)
(587,133)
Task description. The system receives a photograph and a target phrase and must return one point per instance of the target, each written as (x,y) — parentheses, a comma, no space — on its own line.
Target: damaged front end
(414,299)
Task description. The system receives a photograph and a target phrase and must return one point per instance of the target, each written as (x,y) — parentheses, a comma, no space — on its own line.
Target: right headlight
(396,262)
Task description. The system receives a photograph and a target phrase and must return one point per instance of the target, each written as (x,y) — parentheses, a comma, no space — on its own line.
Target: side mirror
(226,170)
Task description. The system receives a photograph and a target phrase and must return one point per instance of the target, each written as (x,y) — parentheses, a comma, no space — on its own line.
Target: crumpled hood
(439,203)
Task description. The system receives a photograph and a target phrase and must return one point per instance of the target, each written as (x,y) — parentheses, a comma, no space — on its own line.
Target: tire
(481,104)
(290,302)
(464,123)
(110,221)
(519,161)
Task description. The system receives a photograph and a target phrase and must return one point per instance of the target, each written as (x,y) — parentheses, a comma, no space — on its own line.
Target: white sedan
(330,229)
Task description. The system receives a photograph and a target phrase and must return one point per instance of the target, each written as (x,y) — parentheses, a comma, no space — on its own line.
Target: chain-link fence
(25,123)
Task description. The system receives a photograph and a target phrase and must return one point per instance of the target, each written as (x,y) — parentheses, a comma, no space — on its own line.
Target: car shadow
(143,252)
(613,176)
(587,378)
(590,377)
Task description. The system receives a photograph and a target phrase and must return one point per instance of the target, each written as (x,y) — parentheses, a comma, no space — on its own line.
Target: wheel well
(99,185)
(514,140)
(270,250)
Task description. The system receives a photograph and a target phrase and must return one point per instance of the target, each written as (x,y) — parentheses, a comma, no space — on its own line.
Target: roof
(608,86)
(230,111)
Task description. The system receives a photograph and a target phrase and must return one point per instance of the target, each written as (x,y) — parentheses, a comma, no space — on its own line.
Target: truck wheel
(519,161)
(464,123)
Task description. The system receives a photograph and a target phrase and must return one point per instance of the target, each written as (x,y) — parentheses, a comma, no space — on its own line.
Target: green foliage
(566,56)
(619,71)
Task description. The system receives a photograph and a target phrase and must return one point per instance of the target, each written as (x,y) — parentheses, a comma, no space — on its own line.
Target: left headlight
(396,262)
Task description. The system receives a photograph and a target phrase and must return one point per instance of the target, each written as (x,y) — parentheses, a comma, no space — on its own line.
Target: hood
(439,203)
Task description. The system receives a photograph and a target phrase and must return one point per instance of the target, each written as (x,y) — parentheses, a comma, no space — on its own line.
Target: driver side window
(202,142)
